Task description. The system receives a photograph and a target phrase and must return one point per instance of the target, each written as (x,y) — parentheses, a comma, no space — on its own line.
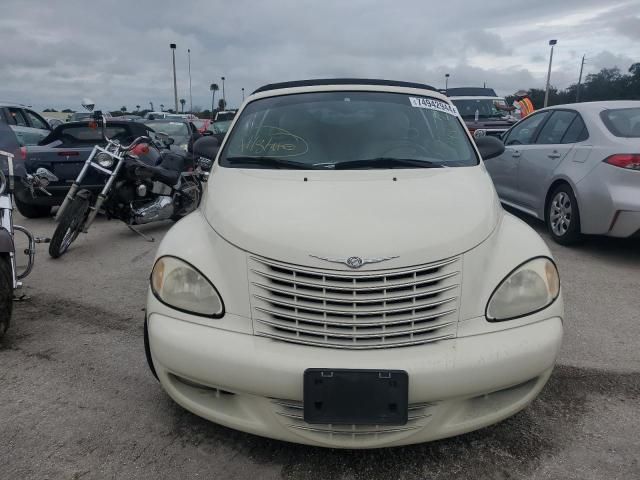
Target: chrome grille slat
(360,311)
(354,432)
(291,412)
(350,289)
(360,323)
(364,309)
(355,334)
(358,300)
(355,346)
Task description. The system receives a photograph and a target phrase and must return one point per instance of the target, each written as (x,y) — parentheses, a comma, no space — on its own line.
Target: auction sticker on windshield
(433,104)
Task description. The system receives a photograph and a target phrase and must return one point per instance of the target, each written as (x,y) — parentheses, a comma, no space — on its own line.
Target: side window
(36,120)
(18,117)
(554,130)
(577,131)
(523,133)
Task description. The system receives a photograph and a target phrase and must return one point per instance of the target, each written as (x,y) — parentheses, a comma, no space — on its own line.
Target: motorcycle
(11,275)
(136,192)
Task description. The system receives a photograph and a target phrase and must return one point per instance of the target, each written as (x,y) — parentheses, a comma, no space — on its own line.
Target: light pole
(223,95)
(546,91)
(151,104)
(446,83)
(190,97)
(243,94)
(579,80)
(175,83)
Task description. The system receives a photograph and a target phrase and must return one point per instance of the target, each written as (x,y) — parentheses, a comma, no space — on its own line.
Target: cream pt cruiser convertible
(351,279)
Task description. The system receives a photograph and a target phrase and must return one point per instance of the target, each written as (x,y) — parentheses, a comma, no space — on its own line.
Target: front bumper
(254,384)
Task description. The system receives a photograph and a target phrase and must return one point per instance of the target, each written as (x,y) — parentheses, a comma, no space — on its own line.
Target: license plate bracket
(356,397)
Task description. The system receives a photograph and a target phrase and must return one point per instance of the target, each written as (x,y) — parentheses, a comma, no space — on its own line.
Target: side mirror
(206,147)
(489,147)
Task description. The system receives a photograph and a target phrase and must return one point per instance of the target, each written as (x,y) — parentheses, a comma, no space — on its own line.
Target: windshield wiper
(386,162)
(269,162)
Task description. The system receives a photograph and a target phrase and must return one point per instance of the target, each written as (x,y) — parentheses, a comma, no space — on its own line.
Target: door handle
(554,155)
(515,154)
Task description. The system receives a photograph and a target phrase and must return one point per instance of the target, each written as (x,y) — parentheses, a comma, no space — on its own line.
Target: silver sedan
(577,167)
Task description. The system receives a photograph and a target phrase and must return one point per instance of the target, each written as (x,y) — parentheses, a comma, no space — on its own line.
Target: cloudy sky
(117,52)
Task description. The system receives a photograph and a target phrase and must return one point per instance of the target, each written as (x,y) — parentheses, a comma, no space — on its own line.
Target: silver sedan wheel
(560,214)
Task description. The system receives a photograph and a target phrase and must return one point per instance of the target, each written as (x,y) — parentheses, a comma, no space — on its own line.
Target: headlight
(531,287)
(181,286)
(104,160)
(184,147)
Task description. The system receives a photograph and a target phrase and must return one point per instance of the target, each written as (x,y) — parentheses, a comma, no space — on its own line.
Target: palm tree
(214,88)
(182,102)
(123,109)
(137,108)
(162,107)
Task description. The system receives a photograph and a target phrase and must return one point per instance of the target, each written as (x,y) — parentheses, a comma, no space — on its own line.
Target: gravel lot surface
(77,400)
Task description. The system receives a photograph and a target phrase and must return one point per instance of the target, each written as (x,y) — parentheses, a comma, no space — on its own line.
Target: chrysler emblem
(354,262)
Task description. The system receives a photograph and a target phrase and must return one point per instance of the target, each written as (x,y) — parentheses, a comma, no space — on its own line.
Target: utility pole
(223,95)
(446,83)
(546,91)
(175,83)
(190,97)
(579,81)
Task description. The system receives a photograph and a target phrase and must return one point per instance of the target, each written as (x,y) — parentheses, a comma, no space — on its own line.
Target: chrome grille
(292,414)
(355,310)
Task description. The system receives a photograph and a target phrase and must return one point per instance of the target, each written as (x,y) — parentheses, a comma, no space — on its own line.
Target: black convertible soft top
(132,129)
(343,81)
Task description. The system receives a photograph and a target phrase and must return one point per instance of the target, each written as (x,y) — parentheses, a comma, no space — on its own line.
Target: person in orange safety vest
(522,105)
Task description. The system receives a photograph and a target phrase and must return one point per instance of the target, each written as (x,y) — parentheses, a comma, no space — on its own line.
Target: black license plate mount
(356,397)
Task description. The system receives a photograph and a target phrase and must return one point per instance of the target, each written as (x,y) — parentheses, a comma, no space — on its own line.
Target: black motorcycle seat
(172,161)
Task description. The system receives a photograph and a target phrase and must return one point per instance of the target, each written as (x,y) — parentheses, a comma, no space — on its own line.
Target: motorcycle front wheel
(69,226)
(6,293)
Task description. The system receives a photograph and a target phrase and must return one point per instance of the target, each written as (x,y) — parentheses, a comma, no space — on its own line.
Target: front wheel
(563,217)
(69,226)
(6,293)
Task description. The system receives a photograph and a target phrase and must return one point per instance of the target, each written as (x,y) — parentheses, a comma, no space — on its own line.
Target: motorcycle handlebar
(137,141)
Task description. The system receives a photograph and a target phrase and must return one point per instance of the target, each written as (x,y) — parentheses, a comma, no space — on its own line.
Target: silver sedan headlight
(531,287)
(104,160)
(181,286)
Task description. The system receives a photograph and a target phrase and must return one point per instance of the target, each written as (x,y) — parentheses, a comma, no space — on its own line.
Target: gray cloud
(117,52)
(486,42)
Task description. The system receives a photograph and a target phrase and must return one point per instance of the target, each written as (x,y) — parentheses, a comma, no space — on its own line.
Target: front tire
(563,217)
(6,294)
(69,226)
(32,211)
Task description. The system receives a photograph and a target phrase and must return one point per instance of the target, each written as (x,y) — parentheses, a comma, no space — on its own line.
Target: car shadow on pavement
(513,448)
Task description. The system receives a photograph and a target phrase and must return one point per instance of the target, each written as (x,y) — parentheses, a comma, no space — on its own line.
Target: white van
(351,279)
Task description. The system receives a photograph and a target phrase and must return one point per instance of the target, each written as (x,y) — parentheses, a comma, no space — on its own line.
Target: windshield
(348,130)
(80,116)
(485,108)
(220,127)
(173,129)
(622,122)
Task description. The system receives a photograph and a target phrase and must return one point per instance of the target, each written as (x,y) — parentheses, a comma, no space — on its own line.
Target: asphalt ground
(77,399)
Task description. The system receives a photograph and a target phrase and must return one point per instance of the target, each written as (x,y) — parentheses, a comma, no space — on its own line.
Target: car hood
(418,216)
